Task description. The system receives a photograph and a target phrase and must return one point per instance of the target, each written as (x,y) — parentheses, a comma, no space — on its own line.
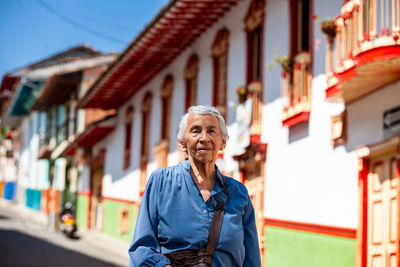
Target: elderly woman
(180,217)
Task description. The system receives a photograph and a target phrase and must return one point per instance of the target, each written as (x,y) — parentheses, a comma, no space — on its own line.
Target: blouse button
(206,222)
(205,233)
(204,211)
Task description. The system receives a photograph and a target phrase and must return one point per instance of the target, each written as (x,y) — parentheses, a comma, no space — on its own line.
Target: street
(24,242)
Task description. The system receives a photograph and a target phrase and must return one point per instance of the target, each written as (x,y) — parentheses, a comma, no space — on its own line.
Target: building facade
(311,95)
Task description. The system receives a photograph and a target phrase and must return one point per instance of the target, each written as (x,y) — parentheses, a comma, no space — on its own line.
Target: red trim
(332,91)
(347,74)
(292,27)
(363,215)
(120,200)
(296,119)
(372,55)
(312,228)
(249,46)
(378,53)
(255,138)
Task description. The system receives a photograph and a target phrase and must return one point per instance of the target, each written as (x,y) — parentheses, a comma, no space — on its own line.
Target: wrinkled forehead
(202,120)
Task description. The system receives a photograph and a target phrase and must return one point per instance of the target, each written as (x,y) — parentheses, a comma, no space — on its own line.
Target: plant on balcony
(328,27)
(285,62)
(242,93)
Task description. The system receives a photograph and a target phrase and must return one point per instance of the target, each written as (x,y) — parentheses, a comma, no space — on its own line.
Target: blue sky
(32,30)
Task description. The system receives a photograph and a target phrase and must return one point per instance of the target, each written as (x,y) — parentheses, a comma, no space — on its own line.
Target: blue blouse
(174,216)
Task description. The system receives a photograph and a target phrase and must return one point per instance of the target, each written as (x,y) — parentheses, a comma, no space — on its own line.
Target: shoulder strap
(216,224)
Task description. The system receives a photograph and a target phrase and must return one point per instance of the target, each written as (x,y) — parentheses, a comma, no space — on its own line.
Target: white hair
(203,110)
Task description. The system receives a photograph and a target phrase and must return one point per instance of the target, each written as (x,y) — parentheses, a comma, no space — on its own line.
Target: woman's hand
(167,265)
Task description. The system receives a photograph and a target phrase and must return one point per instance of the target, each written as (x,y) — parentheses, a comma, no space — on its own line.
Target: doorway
(382,236)
(96,205)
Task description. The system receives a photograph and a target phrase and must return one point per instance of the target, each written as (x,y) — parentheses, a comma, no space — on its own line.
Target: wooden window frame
(144,151)
(128,137)
(166,101)
(298,43)
(191,75)
(254,27)
(220,66)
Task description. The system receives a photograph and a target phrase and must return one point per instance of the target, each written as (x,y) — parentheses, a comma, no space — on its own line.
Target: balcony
(364,55)
(296,90)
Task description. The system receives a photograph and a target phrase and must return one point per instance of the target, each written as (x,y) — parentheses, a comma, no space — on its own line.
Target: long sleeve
(145,249)
(252,251)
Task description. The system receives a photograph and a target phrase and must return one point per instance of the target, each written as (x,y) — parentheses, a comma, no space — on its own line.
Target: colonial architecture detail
(220,64)
(191,72)
(144,151)
(315,141)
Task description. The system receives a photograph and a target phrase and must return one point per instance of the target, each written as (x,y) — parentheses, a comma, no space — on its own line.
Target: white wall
(306,179)
(365,116)
(119,183)
(32,172)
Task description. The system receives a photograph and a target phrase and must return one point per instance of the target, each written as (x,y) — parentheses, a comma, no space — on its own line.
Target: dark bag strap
(216,223)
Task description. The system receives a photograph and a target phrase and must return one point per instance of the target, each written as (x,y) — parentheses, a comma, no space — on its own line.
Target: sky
(32,30)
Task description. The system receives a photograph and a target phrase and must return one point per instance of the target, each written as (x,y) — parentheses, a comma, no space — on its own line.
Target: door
(254,183)
(96,214)
(383,218)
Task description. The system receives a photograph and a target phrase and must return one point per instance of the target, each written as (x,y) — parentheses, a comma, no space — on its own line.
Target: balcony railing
(44,137)
(296,89)
(62,132)
(363,25)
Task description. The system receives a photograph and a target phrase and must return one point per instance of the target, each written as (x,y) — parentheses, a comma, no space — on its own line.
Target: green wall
(82,209)
(288,248)
(111,216)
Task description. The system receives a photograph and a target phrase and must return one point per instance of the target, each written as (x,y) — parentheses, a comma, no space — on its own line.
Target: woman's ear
(182,146)
(223,144)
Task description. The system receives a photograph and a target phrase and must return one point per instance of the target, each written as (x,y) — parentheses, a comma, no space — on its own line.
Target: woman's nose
(203,136)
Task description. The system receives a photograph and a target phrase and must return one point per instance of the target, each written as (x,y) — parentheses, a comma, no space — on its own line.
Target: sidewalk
(115,250)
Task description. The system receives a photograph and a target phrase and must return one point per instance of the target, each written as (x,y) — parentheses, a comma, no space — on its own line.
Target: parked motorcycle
(67,221)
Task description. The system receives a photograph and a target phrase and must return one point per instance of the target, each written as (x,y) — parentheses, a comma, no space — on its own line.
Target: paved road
(26,243)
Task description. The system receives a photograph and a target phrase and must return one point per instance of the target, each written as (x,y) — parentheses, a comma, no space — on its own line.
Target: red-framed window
(255,30)
(166,96)
(128,137)
(191,73)
(144,151)
(220,64)
(300,26)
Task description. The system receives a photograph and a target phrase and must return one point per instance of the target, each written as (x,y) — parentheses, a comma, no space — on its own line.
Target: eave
(93,134)
(25,97)
(177,25)
(56,90)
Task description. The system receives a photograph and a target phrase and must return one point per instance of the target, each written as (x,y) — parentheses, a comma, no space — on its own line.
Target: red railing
(296,86)
(362,25)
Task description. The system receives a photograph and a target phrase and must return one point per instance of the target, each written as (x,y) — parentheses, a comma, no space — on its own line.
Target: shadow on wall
(298,131)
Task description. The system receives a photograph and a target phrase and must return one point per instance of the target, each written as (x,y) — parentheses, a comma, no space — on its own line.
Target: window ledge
(296,114)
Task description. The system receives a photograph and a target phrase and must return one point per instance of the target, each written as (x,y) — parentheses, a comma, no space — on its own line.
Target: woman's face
(203,138)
